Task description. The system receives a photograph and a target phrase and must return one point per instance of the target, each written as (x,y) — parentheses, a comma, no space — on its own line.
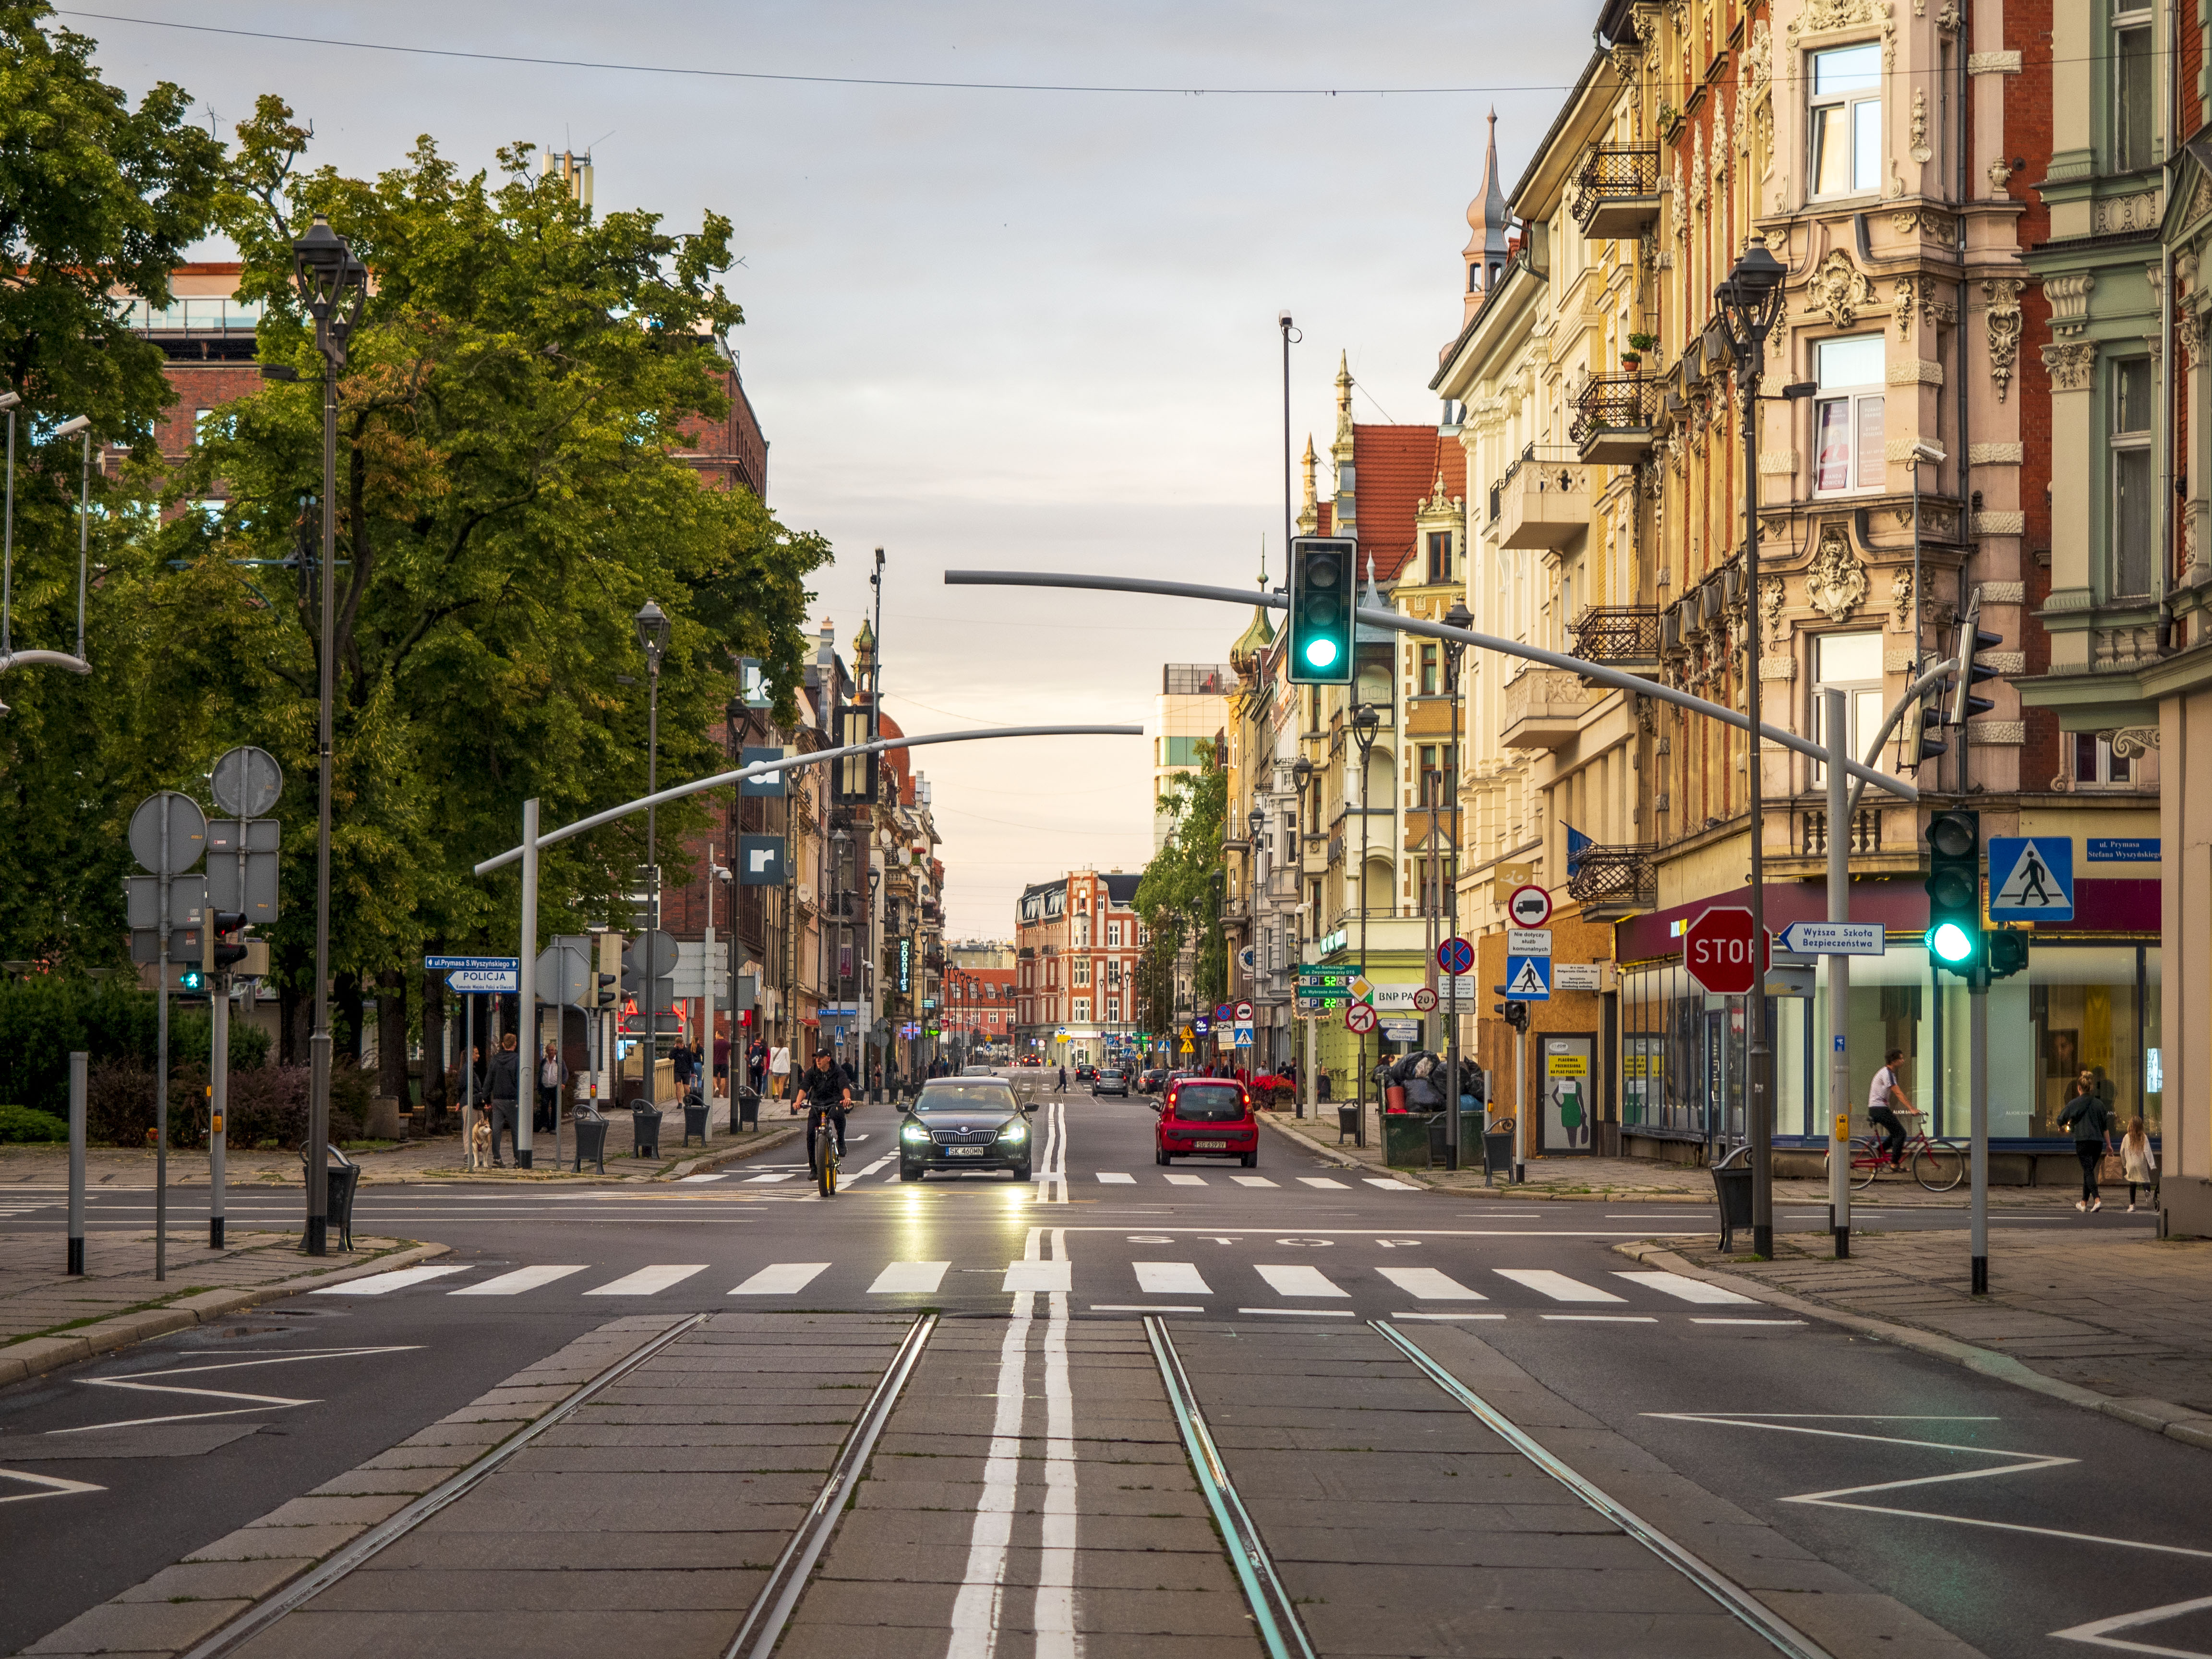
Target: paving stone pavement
(2125,1315)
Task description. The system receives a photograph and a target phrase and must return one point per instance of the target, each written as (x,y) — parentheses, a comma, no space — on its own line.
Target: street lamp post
(1458,616)
(1751,300)
(1366,724)
(333,285)
(652,630)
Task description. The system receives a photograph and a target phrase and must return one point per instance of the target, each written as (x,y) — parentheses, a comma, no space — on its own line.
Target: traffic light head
(1930,722)
(1322,581)
(2007,953)
(1975,642)
(222,946)
(1955,892)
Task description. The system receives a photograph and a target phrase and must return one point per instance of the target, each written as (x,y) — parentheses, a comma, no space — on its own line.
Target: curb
(763,1141)
(2159,1416)
(40,1354)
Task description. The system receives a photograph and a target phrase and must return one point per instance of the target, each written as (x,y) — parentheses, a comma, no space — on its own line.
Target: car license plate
(1210,1145)
(966,1151)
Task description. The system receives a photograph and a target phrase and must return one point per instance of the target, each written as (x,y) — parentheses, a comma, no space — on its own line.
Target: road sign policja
(466,973)
(2031,877)
(1716,949)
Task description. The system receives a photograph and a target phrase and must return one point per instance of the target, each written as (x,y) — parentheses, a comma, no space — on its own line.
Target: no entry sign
(1717,948)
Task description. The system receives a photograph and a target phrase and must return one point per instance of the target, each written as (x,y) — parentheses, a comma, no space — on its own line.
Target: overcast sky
(1018,329)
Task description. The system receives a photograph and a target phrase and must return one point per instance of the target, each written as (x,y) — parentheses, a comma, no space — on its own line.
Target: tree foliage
(1180,896)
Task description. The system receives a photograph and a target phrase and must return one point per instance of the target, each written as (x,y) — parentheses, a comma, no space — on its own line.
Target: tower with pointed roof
(1485,251)
(1346,515)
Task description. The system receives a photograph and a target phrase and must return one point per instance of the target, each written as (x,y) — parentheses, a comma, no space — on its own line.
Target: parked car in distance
(1111,1080)
(1084,1071)
(1151,1080)
(1207,1117)
(965,1123)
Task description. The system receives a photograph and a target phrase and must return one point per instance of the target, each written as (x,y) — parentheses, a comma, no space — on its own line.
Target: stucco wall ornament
(1680,212)
(1900,599)
(2071,365)
(2188,329)
(1838,290)
(1920,152)
(2200,203)
(1904,307)
(2003,294)
(1836,582)
(2130,741)
(1698,168)
(2116,214)
(1758,57)
(1818,16)
(1773,594)
(1999,173)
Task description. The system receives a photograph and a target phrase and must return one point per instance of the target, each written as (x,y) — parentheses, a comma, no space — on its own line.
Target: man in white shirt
(1885,1090)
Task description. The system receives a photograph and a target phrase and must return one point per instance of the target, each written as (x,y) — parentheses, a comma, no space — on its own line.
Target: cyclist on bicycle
(829,1092)
(1885,1090)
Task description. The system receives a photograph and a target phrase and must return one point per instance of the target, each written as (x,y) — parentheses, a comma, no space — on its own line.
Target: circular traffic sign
(1456,955)
(1425,1000)
(1358,1019)
(1530,906)
(1244,1012)
(246,782)
(167,841)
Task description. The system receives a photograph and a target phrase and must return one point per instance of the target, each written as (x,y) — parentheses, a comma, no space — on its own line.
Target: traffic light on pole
(1975,642)
(1929,718)
(2007,953)
(1322,582)
(607,985)
(1955,893)
(223,946)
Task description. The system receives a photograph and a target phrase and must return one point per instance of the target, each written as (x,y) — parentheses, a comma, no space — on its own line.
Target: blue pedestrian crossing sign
(1527,979)
(1243,1036)
(2031,877)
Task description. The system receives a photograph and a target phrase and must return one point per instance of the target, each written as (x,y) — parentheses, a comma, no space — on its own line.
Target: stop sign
(1716,949)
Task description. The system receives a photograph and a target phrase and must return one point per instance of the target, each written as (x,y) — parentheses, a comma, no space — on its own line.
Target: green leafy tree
(1180,895)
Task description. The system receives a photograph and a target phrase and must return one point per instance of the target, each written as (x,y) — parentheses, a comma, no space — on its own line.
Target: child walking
(2135,1162)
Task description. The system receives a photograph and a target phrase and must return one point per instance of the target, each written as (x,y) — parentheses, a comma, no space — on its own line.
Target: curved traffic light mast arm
(1919,689)
(1902,787)
(790,762)
(44,659)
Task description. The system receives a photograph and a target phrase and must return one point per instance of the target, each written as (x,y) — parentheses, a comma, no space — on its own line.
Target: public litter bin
(1406,1140)
(1347,1123)
(591,1140)
(1497,1150)
(343,1176)
(694,1119)
(644,1132)
(1732,1187)
(744,1109)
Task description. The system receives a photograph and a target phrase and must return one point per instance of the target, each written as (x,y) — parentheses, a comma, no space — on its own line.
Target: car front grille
(963,1137)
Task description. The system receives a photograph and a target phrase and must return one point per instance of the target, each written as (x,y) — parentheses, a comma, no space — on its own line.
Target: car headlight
(1015,1132)
(914,1132)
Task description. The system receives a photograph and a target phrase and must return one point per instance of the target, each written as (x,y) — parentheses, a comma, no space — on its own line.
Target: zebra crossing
(1185,1178)
(1261,1289)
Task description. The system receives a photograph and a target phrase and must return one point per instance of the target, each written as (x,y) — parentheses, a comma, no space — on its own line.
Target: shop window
(1850,663)
(2135,87)
(2094,761)
(1845,117)
(1847,415)
(2129,444)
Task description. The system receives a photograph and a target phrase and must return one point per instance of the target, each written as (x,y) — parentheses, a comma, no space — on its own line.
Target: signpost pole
(468,1087)
(1839,978)
(78,1064)
(526,1002)
(161,1066)
(1978,1126)
(218,1093)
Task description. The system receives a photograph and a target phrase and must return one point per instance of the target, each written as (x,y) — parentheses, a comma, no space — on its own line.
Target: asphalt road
(2001,1516)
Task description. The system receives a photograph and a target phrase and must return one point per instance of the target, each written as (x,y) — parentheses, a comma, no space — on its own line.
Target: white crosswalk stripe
(1185,1180)
(783,1279)
(1297,1281)
(1252,1181)
(1115,1178)
(650,1281)
(909,1278)
(1557,1286)
(1171,1279)
(384,1284)
(1683,1288)
(515,1283)
(1390,1186)
(1429,1284)
(754,1180)
(1045,1276)
(1321,1181)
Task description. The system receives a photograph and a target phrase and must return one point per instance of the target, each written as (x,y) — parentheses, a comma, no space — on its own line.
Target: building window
(1846,121)
(1082,971)
(200,419)
(1114,934)
(1113,972)
(1440,568)
(2094,761)
(1083,1010)
(1850,663)
(2129,446)
(1428,670)
(2135,87)
(1847,415)
(1113,1011)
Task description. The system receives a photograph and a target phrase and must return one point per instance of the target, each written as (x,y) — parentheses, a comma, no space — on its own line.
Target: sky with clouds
(1013,329)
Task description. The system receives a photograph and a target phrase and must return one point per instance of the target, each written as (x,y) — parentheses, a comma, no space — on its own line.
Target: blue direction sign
(1527,979)
(2031,878)
(1455,956)
(477,973)
(1834,939)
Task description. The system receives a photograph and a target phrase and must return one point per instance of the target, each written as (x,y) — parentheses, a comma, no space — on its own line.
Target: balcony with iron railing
(1613,418)
(1616,190)
(1610,881)
(1619,636)
(1543,499)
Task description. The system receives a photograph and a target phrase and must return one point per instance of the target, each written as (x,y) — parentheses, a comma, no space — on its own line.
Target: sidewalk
(50,1318)
(1610,1179)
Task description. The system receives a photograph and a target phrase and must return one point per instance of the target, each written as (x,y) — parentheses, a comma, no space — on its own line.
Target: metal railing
(1611,402)
(1618,633)
(1611,171)
(1615,875)
(1866,833)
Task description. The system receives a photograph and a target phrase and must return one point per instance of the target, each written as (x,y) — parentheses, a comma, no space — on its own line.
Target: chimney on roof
(1487,249)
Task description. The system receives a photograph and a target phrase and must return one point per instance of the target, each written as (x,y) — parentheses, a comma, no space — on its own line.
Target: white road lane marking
(754,1180)
(1115,1178)
(1683,1288)
(1184,1180)
(515,1283)
(686,1181)
(1252,1181)
(1390,1186)
(903,1278)
(1141,1308)
(1054,1618)
(1429,1284)
(650,1281)
(974,1633)
(1604,1319)
(1321,1181)
(1171,1279)
(139,1383)
(1301,1313)
(1049,1278)
(1747,1321)
(1297,1281)
(383,1284)
(1447,1316)
(782,1278)
(1557,1286)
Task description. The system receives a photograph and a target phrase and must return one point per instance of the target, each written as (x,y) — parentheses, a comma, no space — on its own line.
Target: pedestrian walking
(552,1074)
(2091,1121)
(505,1085)
(721,1066)
(1063,1080)
(2136,1163)
(779,1069)
(757,1065)
(682,1064)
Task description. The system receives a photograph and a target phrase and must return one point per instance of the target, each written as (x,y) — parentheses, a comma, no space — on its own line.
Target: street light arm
(1919,687)
(44,659)
(1589,670)
(789,762)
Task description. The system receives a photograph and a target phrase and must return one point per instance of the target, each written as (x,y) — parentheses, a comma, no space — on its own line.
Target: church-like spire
(1487,217)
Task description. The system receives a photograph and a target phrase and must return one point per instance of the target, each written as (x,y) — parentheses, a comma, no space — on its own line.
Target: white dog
(480,1144)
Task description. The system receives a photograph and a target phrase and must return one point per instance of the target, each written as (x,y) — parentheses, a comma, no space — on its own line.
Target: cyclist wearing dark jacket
(829,1092)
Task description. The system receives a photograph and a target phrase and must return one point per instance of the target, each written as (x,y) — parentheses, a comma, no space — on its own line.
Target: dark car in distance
(965,1123)
(1151,1080)
(1109,1080)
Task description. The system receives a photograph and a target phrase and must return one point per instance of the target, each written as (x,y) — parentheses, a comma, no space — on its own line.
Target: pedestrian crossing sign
(1527,979)
(1243,1036)
(2032,878)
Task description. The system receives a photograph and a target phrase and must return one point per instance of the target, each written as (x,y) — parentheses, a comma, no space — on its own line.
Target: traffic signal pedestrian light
(607,971)
(1322,578)
(222,946)
(1514,1014)
(1975,642)
(1955,893)
(2008,951)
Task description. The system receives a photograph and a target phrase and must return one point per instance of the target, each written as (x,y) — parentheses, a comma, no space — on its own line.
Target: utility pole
(1834,714)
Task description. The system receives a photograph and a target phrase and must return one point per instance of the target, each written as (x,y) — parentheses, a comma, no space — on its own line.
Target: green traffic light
(1950,942)
(1321,653)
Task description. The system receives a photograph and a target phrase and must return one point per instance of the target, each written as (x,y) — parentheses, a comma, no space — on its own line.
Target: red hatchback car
(1207,1117)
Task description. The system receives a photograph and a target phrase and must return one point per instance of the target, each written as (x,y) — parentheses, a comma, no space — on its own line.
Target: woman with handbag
(2091,1121)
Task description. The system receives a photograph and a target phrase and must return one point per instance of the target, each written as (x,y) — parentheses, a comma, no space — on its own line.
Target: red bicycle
(1937,1165)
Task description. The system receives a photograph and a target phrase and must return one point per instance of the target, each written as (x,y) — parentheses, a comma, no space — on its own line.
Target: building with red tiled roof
(1384,475)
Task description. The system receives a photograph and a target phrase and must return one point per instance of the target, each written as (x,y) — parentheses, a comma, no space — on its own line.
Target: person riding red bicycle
(1887,1089)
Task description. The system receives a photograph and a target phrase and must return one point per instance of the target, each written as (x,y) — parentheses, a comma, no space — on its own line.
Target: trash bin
(1497,1150)
(1406,1140)
(644,1132)
(591,1140)
(1732,1187)
(345,1179)
(694,1119)
(744,1109)
(1347,1122)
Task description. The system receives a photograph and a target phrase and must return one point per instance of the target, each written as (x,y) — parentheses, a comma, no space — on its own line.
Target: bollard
(76,1163)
